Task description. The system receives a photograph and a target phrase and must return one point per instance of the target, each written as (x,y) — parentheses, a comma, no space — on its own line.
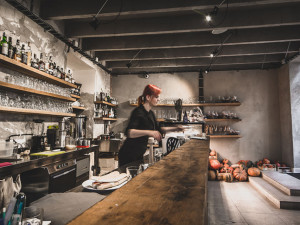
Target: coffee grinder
(38,140)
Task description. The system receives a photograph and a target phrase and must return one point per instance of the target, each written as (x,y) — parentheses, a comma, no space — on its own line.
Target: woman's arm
(170,129)
(134,133)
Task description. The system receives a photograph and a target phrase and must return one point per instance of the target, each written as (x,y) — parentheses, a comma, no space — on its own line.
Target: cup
(133,170)
(33,216)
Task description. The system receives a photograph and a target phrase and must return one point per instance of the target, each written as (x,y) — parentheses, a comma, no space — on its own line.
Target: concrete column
(295,111)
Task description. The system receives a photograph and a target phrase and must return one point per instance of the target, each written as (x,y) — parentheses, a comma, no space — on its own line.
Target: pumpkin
(212,153)
(228,177)
(254,172)
(214,164)
(240,174)
(225,161)
(259,163)
(212,175)
(266,161)
(226,166)
(249,164)
(230,170)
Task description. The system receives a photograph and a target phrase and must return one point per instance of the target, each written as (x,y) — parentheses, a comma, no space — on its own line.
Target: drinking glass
(33,216)
(133,170)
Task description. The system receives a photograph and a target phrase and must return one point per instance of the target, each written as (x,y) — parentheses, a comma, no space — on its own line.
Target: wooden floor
(239,203)
(173,191)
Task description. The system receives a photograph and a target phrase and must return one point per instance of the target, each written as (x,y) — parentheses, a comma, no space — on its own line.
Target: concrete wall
(294,68)
(285,115)
(257,90)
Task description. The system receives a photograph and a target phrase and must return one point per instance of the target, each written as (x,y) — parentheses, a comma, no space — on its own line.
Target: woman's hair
(150,89)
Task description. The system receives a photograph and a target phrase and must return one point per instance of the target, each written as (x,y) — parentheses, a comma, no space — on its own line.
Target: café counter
(32,162)
(172,191)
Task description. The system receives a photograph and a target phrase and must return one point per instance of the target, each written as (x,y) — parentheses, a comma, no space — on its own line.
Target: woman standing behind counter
(142,124)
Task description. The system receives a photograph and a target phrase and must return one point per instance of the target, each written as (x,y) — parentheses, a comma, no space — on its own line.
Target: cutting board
(47,153)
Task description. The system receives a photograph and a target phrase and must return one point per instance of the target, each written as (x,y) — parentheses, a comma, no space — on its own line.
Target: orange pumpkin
(254,172)
(214,164)
(225,161)
(212,153)
(240,174)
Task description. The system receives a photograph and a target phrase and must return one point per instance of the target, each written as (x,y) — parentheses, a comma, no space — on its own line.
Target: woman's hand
(155,134)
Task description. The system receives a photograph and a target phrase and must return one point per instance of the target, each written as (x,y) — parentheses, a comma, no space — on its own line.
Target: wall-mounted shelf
(17,88)
(220,120)
(105,118)
(78,107)
(224,136)
(105,103)
(34,112)
(199,104)
(75,96)
(30,71)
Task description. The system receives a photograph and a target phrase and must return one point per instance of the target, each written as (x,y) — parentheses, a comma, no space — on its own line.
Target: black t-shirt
(133,149)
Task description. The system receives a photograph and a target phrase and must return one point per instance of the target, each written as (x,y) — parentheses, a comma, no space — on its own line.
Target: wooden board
(75,96)
(223,136)
(30,71)
(220,120)
(78,107)
(105,119)
(17,88)
(34,111)
(173,191)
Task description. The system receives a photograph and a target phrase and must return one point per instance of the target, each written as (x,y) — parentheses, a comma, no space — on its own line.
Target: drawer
(83,166)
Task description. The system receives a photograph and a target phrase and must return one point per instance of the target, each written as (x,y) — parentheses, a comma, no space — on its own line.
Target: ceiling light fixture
(129,64)
(210,15)
(95,22)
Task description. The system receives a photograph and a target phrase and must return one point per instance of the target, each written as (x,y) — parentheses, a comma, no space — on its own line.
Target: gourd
(240,174)
(228,177)
(266,161)
(212,175)
(214,164)
(212,153)
(254,172)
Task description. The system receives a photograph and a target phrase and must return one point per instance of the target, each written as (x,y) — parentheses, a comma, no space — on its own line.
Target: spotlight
(211,55)
(94,23)
(146,76)
(214,53)
(128,65)
(208,18)
(205,71)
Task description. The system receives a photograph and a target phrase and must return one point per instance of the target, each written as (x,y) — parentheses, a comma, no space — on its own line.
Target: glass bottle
(24,55)
(41,63)
(46,64)
(18,55)
(4,45)
(54,69)
(28,53)
(10,48)
(63,75)
(58,73)
(50,70)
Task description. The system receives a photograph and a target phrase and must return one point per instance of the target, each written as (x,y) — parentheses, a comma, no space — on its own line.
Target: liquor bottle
(28,53)
(18,55)
(185,118)
(4,45)
(10,48)
(54,69)
(24,55)
(34,62)
(68,76)
(50,70)
(46,64)
(58,73)
(41,63)
(63,75)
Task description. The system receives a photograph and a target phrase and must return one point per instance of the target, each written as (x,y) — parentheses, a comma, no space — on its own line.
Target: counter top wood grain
(173,191)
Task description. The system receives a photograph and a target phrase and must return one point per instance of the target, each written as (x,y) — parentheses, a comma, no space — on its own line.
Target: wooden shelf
(17,88)
(105,103)
(224,136)
(78,107)
(34,111)
(160,119)
(220,120)
(75,96)
(30,71)
(105,119)
(199,104)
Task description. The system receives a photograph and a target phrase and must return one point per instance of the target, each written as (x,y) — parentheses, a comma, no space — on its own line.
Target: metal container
(80,127)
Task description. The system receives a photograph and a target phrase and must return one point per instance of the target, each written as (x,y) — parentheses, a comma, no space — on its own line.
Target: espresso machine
(38,139)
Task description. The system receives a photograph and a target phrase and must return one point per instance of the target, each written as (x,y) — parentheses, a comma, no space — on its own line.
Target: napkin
(111,177)
(5,164)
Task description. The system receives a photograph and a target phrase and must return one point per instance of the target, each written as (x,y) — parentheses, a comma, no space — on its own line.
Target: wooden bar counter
(173,191)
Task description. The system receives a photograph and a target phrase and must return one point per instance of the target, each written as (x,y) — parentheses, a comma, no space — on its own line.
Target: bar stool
(172,143)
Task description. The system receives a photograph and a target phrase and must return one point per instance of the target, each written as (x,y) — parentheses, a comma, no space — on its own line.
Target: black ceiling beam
(253,66)
(70,9)
(195,62)
(243,18)
(195,39)
(200,52)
